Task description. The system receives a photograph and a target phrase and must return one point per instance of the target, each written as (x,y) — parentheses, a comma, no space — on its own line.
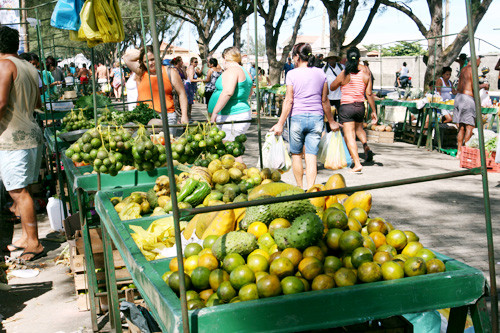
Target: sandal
(35,255)
(16,248)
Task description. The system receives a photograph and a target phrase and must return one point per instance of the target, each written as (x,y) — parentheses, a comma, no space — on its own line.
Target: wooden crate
(380,137)
(78,268)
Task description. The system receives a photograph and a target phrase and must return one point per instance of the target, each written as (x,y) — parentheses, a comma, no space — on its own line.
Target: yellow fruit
(209,261)
(205,251)
(173,265)
(163,200)
(223,223)
(335,181)
(191,263)
(320,201)
(214,166)
(396,239)
(220,177)
(278,223)
(273,249)
(257,229)
(240,166)
(266,181)
(227,161)
(271,189)
(253,171)
(361,199)
(412,248)
(261,252)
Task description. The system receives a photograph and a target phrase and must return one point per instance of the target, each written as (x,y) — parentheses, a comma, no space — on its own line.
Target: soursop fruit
(291,209)
(306,230)
(239,242)
(257,213)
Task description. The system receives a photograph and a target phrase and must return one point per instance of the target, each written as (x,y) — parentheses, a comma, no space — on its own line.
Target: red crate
(491,164)
(469,158)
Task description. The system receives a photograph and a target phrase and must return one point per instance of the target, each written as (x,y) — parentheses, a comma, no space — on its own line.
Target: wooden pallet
(78,268)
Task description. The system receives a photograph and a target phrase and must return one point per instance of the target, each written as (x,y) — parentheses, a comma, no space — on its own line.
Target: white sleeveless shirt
(18,129)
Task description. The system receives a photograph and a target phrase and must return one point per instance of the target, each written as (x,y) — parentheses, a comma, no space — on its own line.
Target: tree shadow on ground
(14,300)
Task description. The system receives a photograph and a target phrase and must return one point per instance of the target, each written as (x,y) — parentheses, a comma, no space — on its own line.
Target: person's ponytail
(304,51)
(352,63)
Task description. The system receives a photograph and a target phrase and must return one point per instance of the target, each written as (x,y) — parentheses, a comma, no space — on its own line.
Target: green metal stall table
(461,288)
(82,185)
(56,115)
(50,140)
(433,110)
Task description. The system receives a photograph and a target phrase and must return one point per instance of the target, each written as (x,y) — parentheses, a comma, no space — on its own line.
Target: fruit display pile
(73,121)
(297,246)
(202,144)
(224,181)
(108,151)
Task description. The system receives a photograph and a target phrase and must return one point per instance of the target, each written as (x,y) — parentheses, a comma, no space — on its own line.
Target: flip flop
(369,156)
(35,255)
(16,248)
(360,172)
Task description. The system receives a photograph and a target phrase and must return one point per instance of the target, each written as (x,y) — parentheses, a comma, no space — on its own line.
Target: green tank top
(238,103)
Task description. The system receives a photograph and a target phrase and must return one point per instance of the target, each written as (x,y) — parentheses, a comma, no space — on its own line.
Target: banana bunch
(101,23)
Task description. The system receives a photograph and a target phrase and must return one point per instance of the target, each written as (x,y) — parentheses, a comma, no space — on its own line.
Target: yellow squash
(222,224)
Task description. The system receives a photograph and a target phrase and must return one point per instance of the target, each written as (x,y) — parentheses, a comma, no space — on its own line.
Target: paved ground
(448,215)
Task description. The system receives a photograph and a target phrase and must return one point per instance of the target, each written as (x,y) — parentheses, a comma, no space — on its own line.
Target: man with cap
(332,68)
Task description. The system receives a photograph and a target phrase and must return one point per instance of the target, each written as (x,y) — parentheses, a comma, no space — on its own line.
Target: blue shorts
(20,168)
(306,129)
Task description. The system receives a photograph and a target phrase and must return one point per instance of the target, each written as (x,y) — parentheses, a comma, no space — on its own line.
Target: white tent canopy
(79,60)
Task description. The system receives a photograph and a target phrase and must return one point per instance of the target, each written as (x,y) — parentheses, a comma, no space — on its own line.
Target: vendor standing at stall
(445,88)
(20,140)
(464,113)
(136,61)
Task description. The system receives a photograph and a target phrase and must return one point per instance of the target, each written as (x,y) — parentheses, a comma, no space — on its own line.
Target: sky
(388,26)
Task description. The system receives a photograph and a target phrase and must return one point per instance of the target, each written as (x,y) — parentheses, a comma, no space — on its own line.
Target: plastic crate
(469,158)
(491,164)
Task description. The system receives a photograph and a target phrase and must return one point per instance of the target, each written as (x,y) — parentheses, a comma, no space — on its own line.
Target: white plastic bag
(274,153)
(323,147)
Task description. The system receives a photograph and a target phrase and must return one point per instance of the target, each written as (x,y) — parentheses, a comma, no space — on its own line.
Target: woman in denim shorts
(307,101)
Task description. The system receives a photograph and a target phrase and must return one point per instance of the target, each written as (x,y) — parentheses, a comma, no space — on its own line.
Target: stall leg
(113,303)
(430,129)
(438,132)
(89,263)
(456,321)
(480,316)
(424,114)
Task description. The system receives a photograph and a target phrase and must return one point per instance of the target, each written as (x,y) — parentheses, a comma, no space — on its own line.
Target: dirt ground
(448,215)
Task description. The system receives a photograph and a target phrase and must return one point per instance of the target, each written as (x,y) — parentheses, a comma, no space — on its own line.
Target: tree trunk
(237,33)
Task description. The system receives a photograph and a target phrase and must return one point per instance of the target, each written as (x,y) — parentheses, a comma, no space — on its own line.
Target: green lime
(192,249)
(209,241)
(200,278)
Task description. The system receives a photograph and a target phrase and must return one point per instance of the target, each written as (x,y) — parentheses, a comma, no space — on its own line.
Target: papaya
(223,223)
(188,232)
(203,222)
(361,199)
(270,189)
(335,181)
(320,201)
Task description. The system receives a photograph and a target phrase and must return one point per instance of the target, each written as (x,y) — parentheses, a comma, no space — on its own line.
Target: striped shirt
(354,91)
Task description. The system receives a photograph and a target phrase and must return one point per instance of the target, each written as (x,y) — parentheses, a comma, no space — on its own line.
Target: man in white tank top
(20,141)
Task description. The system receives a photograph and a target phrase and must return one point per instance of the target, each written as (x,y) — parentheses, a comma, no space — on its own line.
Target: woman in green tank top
(229,101)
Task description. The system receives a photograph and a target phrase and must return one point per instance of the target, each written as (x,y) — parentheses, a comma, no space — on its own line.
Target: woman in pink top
(355,82)
(307,101)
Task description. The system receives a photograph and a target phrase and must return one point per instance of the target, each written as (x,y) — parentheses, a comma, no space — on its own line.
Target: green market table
(461,288)
(82,186)
(433,110)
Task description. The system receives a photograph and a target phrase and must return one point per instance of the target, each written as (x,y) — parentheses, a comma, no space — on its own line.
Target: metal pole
(144,45)
(94,102)
(257,91)
(484,173)
(170,165)
(56,146)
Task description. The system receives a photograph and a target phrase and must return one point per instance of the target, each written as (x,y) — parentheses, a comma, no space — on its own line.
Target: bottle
(55,213)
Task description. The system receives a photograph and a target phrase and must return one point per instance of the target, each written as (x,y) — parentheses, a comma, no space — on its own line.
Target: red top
(354,91)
